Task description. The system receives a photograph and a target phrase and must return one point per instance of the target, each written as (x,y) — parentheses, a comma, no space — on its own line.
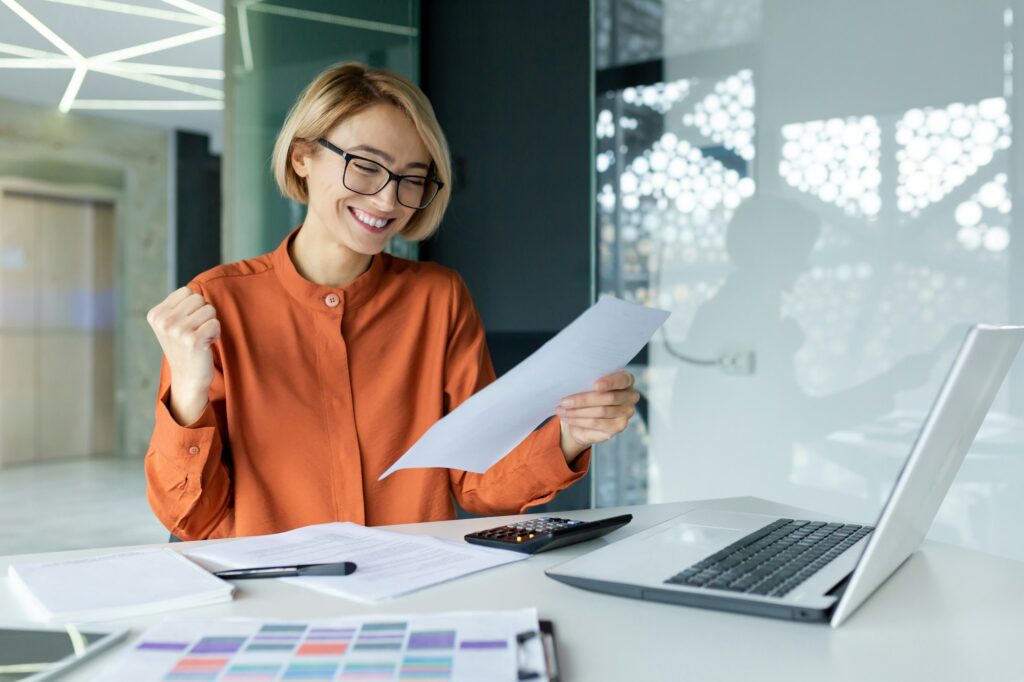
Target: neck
(324,261)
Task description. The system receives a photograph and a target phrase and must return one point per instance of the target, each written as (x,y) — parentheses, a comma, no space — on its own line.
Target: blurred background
(820,191)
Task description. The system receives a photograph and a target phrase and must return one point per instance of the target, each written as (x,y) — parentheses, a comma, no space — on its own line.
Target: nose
(386,199)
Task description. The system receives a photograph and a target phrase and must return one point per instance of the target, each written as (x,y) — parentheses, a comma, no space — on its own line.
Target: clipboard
(549,647)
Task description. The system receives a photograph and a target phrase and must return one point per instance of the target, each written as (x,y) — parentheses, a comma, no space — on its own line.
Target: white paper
(464,646)
(388,564)
(116,585)
(488,425)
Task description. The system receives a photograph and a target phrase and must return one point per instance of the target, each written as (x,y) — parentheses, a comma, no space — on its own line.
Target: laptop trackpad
(710,528)
(689,534)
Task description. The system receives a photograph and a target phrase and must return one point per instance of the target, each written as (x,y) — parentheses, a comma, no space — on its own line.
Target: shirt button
(332,300)
(194,450)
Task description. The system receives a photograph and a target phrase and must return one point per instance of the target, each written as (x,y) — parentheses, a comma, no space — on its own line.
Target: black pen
(338,568)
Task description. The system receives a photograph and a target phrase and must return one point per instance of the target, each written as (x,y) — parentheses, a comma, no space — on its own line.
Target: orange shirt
(318,390)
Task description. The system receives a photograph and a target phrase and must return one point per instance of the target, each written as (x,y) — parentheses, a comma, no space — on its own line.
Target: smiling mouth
(371,223)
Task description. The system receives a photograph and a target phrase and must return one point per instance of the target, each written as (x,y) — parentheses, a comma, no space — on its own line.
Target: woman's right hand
(186,326)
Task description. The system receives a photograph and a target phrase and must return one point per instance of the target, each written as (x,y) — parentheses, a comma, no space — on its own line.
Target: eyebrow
(384,155)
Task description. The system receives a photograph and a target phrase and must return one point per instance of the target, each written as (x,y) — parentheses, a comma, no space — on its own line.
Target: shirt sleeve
(188,482)
(535,470)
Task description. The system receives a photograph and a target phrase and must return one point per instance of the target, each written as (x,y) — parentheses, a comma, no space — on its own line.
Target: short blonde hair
(343,91)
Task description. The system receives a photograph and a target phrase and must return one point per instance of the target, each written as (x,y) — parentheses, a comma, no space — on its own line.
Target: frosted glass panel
(825,220)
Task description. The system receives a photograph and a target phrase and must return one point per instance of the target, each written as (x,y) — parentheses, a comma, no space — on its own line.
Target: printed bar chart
(427,648)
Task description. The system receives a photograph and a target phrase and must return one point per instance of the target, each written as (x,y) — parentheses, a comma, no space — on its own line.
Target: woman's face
(362,223)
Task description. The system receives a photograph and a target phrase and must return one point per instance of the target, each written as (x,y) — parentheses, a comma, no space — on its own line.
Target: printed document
(488,425)
(467,646)
(388,564)
(116,585)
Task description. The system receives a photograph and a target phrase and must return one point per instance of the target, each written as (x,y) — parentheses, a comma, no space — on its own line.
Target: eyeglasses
(365,176)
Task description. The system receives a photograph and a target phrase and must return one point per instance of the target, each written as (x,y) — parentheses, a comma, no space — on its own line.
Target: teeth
(370,220)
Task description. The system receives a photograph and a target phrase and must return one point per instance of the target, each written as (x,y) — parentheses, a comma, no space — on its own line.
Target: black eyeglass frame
(395,177)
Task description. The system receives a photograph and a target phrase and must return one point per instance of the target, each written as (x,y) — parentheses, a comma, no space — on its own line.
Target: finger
(610,426)
(177,296)
(588,436)
(597,398)
(614,382)
(188,305)
(603,411)
(209,332)
(165,308)
(201,315)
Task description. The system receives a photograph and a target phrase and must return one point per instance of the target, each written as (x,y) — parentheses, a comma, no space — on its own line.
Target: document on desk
(488,425)
(465,646)
(388,564)
(115,585)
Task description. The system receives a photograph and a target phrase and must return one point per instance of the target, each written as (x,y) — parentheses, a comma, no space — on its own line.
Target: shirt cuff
(548,466)
(184,444)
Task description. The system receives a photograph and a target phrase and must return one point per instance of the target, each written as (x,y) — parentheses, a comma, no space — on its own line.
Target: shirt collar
(315,296)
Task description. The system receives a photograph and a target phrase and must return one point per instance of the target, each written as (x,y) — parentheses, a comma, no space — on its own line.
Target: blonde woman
(291,381)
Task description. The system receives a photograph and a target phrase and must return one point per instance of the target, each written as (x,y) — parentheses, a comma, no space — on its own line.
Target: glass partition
(274,49)
(822,194)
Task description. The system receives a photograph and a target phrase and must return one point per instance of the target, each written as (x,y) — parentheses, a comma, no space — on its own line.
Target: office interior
(821,193)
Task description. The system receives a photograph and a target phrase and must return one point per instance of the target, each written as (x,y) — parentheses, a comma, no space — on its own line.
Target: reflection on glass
(821,269)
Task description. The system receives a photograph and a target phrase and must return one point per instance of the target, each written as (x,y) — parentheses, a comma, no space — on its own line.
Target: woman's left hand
(596,416)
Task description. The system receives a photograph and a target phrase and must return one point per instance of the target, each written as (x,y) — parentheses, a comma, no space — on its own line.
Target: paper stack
(119,585)
(389,563)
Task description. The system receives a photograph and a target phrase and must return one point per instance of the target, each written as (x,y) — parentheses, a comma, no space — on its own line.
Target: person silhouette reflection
(738,435)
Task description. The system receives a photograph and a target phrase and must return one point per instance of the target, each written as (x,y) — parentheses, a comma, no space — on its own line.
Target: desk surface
(946,614)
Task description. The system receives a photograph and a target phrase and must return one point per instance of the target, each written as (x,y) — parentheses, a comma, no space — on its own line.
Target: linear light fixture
(243,31)
(164,70)
(326,18)
(198,10)
(69,95)
(148,105)
(111,63)
(25,63)
(140,11)
(7,48)
(156,45)
(169,83)
(42,29)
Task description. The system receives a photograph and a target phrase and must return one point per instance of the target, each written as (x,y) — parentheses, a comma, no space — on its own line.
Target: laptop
(804,570)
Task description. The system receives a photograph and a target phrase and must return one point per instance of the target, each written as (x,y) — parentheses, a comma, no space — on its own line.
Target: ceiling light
(151,13)
(42,28)
(148,105)
(156,45)
(164,70)
(168,83)
(198,10)
(72,90)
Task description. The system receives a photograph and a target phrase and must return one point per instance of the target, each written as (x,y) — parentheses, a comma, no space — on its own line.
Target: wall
(38,143)
(510,83)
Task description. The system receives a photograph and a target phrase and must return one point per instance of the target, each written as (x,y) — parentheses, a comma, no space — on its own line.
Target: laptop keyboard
(773,560)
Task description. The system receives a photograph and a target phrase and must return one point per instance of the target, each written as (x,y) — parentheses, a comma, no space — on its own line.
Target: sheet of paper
(461,647)
(116,585)
(488,425)
(388,564)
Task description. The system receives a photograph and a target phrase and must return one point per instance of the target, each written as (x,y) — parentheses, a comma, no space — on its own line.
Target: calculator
(541,534)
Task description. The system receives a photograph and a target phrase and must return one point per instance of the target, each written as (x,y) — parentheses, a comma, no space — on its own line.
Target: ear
(299,157)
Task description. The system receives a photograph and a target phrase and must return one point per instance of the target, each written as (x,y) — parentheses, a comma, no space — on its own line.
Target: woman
(291,381)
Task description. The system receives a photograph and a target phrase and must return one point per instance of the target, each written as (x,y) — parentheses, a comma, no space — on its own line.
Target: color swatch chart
(456,647)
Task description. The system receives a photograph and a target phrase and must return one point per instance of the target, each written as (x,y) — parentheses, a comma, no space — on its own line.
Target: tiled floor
(75,504)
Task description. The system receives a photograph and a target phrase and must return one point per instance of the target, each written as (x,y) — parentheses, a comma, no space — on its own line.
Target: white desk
(947,614)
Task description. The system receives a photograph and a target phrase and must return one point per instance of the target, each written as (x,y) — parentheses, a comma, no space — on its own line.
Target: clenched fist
(186,326)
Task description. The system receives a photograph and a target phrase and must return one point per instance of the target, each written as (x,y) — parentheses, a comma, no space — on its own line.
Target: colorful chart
(428,648)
